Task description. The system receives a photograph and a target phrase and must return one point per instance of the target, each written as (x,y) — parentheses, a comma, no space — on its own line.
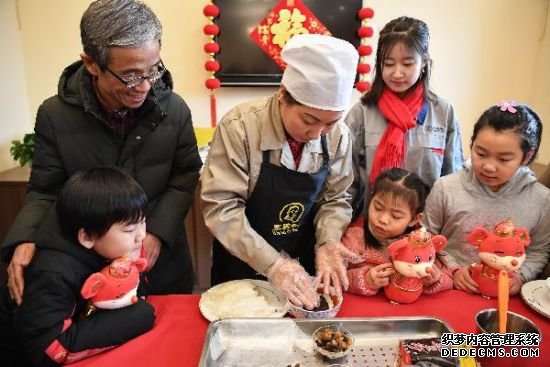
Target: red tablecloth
(178,336)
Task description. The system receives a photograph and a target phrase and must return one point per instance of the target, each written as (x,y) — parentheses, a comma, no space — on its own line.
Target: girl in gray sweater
(494,185)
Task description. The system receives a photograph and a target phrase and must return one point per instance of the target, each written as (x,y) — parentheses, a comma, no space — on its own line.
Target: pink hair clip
(507,106)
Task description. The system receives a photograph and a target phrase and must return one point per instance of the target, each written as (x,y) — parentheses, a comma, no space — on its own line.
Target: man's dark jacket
(160,152)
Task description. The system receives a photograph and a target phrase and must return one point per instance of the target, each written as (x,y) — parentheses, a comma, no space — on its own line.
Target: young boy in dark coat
(100,216)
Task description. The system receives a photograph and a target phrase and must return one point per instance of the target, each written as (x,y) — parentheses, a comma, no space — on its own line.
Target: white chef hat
(320,71)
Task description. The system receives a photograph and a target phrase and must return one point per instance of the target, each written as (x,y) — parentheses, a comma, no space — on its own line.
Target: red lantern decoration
(362,86)
(212,65)
(211,48)
(364,50)
(211,29)
(212,83)
(365,32)
(211,11)
(366,13)
(363,68)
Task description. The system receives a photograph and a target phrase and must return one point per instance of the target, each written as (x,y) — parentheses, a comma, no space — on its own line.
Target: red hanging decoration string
(213,112)
(364,50)
(211,12)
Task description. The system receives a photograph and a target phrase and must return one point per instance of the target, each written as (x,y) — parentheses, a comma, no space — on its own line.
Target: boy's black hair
(402,184)
(524,122)
(97,198)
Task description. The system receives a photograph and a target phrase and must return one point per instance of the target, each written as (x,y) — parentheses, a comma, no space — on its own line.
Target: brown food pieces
(334,341)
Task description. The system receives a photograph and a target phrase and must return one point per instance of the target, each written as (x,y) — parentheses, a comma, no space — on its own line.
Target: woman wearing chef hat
(274,184)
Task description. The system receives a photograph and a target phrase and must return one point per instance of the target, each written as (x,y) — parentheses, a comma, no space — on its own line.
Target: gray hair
(117,23)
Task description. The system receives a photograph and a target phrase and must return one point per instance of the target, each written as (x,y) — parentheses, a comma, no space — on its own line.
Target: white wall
(483,51)
(15,115)
(541,93)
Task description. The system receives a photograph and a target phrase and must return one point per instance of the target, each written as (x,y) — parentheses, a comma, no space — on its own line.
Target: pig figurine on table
(501,249)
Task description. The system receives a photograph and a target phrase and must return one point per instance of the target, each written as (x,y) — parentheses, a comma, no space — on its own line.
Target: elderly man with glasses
(115,107)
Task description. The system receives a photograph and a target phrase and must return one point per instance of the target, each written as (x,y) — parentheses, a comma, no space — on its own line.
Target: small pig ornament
(501,249)
(115,286)
(412,257)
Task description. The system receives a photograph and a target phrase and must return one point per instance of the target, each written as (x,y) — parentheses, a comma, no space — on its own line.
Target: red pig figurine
(501,249)
(412,258)
(115,286)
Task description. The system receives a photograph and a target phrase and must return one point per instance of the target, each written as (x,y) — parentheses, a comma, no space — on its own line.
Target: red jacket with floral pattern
(354,240)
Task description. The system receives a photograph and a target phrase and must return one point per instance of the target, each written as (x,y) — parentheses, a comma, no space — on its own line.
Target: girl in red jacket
(396,206)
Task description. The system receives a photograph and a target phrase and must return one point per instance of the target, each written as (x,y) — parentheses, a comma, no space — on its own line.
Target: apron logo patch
(289,218)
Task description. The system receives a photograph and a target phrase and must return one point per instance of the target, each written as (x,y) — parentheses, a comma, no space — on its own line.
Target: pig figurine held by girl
(412,257)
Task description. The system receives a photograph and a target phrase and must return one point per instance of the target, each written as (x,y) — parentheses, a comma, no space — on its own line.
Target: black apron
(280,209)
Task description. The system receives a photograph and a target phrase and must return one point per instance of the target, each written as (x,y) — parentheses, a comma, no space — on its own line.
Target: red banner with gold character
(287,19)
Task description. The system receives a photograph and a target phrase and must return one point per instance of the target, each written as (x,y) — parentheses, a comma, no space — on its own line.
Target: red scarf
(401,114)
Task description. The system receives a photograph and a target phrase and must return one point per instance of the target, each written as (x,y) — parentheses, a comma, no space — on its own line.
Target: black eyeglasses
(135,82)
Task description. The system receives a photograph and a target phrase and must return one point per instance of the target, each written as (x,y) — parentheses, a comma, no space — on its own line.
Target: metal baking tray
(282,342)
